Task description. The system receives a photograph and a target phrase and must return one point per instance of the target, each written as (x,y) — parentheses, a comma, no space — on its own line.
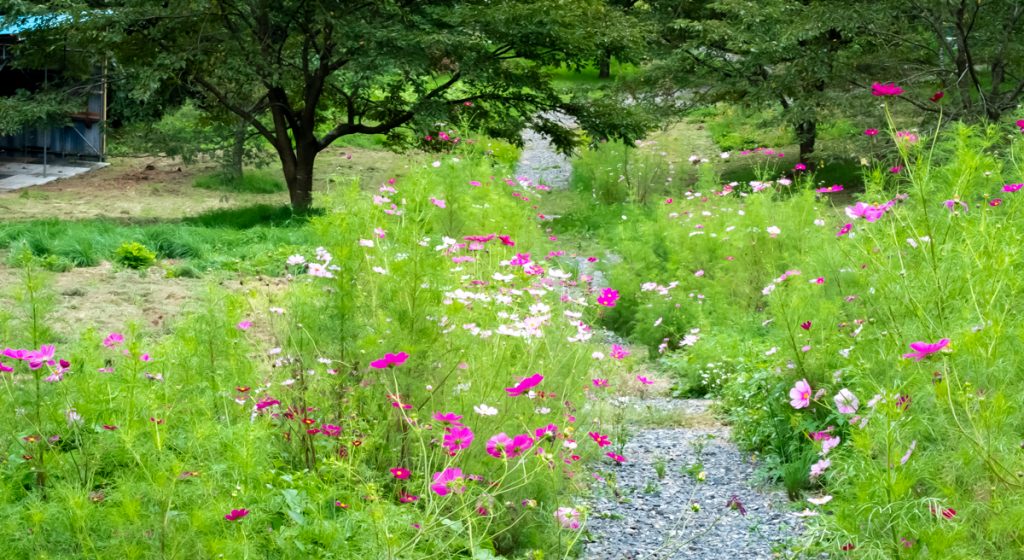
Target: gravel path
(641,515)
(540,162)
(685,492)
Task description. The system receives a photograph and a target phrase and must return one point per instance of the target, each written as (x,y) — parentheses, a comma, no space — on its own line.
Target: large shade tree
(304,73)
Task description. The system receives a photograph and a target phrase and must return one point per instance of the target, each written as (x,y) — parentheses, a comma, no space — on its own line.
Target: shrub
(134,255)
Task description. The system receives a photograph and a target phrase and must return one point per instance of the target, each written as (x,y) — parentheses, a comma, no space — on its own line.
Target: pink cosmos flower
(800,166)
(475,183)
(618,352)
(390,360)
(800,394)
(113,339)
(643,380)
(407,498)
(244,325)
(922,350)
(952,204)
(871,132)
(907,137)
(1013,188)
(819,468)
(525,385)
(608,297)
(616,457)
(885,90)
(895,170)
(507,241)
(846,401)
(832,189)
(400,473)
(597,382)
(236,514)
(330,430)
(806,325)
(8,369)
(448,480)
(869,212)
(910,451)
(995,202)
(844,230)
(458,437)
(601,439)
(1020,124)
(568,518)
(439,202)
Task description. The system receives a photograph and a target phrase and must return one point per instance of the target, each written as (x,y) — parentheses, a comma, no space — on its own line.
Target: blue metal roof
(16,26)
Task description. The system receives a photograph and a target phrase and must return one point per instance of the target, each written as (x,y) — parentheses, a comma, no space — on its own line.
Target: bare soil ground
(153,188)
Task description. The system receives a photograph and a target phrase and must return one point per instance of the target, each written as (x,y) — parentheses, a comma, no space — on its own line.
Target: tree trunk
(604,65)
(298,174)
(233,166)
(807,137)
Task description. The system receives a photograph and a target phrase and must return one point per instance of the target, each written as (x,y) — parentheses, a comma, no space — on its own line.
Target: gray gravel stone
(638,515)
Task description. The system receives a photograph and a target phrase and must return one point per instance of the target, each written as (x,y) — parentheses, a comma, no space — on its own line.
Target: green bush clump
(865,349)
(134,255)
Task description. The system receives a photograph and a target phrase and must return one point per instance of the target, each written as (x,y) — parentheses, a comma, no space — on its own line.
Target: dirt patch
(159,188)
(107,299)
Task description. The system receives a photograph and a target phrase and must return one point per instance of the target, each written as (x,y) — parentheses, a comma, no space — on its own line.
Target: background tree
(972,48)
(289,67)
(797,53)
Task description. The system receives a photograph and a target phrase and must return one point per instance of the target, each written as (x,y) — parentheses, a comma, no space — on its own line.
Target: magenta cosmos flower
(236,514)
(503,446)
(844,230)
(601,439)
(525,385)
(390,360)
(1020,124)
(448,481)
(871,132)
(616,457)
(458,437)
(113,339)
(400,473)
(885,90)
(608,297)
(922,350)
(618,352)
(1013,188)
(800,394)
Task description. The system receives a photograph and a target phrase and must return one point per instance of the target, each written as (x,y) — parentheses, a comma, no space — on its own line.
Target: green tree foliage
(304,73)
(808,55)
(796,53)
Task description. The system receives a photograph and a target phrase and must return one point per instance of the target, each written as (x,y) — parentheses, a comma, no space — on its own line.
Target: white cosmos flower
(484,410)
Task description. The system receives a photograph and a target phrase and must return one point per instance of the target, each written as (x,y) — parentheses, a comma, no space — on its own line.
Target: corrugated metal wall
(80,139)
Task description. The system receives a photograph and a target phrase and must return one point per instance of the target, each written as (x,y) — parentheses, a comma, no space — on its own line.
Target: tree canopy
(304,73)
